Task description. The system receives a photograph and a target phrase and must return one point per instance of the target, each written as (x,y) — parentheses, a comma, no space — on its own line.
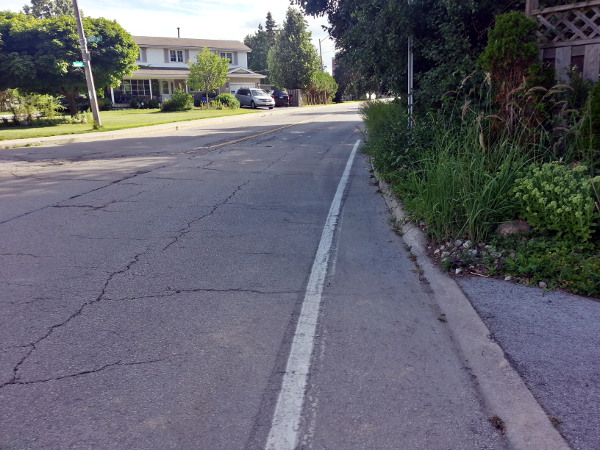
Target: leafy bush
(228,100)
(511,50)
(153,103)
(144,103)
(555,198)
(29,106)
(562,264)
(180,101)
(104,104)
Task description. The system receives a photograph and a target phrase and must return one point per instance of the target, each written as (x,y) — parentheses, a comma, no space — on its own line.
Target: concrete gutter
(504,392)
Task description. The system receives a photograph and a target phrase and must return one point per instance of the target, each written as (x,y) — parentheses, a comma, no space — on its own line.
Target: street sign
(93,39)
(78,64)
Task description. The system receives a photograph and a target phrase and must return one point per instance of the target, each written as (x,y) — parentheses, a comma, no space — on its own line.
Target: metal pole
(321,53)
(87,66)
(410,76)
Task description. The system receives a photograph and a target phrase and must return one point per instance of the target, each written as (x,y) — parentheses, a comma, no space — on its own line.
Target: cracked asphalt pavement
(150,288)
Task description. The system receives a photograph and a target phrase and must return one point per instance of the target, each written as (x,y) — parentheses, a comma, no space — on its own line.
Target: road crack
(187,228)
(101,296)
(89,371)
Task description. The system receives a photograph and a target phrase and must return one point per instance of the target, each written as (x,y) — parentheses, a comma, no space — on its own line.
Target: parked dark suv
(281,98)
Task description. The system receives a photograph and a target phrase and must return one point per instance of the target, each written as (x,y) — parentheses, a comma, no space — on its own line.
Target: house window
(229,56)
(135,88)
(176,55)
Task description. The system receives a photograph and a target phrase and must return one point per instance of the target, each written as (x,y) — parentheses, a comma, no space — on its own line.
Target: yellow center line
(260,134)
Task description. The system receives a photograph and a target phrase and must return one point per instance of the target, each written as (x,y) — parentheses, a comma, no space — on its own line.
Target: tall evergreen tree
(293,60)
(257,58)
(261,42)
(271,29)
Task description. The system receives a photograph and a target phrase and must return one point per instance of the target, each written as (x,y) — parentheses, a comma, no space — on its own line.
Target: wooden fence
(569,36)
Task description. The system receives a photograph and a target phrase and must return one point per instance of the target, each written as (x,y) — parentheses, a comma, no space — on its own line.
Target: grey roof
(167,72)
(169,42)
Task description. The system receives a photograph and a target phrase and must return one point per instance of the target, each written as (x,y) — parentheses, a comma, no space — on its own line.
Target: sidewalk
(544,374)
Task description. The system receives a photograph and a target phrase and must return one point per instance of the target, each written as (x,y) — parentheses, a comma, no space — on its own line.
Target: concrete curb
(504,392)
(128,132)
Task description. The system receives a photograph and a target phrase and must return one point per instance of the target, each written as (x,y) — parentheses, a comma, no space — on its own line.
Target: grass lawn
(116,120)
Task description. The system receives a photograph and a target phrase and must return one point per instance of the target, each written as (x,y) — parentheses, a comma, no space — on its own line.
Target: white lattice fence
(569,24)
(569,35)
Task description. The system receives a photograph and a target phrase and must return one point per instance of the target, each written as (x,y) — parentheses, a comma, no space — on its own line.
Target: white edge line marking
(286,419)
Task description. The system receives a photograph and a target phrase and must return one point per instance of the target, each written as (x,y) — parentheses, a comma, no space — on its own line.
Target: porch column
(150,85)
(112,95)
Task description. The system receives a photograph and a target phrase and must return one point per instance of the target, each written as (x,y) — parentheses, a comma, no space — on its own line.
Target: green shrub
(136,102)
(180,101)
(104,104)
(29,105)
(144,103)
(216,105)
(559,263)
(555,198)
(153,103)
(228,100)
(511,50)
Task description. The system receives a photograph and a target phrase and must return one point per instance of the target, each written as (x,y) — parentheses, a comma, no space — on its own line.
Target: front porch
(160,83)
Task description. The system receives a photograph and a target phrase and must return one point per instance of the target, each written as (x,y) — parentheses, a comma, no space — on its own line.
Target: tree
(448,37)
(349,80)
(257,59)
(42,9)
(208,73)
(322,88)
(271,29)
(293,60)
(36,55)
(260,43)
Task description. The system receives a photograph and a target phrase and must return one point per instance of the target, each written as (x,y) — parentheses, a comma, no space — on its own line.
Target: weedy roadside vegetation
(509,144)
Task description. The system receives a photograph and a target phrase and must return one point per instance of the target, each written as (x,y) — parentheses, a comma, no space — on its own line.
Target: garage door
(234,87)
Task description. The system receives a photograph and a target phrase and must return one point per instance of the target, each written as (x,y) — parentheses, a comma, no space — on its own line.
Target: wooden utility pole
(87,67)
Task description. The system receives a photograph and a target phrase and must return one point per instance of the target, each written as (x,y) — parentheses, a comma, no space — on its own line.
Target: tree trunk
(70,96)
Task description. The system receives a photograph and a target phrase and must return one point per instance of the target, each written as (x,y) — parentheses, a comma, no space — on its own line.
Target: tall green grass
(447,171)
(462,189)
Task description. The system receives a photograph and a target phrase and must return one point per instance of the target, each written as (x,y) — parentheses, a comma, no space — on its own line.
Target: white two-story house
(163,67)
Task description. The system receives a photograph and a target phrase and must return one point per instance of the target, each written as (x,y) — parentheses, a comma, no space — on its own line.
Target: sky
(201,19)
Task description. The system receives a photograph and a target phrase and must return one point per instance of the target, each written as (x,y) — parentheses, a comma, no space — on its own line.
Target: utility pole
(87,67)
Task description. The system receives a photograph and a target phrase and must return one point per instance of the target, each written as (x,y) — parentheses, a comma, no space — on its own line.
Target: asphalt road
(150,290)
(553,340)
